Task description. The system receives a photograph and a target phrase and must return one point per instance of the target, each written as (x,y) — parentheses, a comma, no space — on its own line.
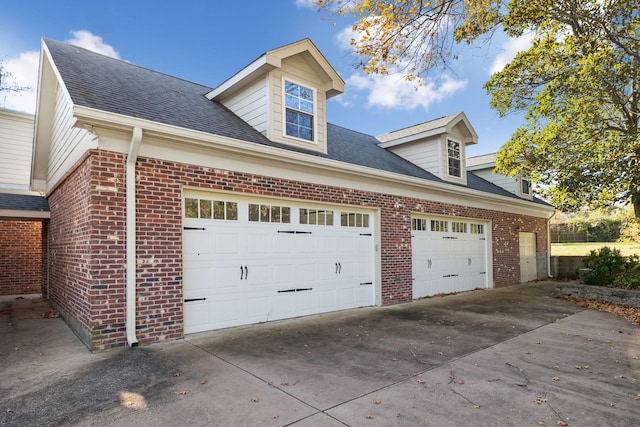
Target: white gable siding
(503,181)
(16,145)
(296,69)
(250,104)
(423,154)
(67,142)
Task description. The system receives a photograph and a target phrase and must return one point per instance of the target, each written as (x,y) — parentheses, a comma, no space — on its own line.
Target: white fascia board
(256,68)
(413,137)
(404,185)
(24,214)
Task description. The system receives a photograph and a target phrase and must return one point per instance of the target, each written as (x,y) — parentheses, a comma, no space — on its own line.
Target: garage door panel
(195,242)
(227,243)
(257,309)
(226,277)
(250,272)
(199,277)
(451,259)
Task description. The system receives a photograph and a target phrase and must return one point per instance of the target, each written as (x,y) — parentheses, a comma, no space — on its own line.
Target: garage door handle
(338,268)
(194,299)
(244,272)
(366,283)
(469,259)
(194,228)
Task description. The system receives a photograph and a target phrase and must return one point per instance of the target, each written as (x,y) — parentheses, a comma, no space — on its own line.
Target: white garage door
(449,255)
(248,261)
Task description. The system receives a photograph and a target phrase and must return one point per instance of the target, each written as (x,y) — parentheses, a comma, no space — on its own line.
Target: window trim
(459,159)
(524,179)
(314,115)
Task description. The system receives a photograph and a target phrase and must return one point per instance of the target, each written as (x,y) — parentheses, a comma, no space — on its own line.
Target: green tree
(578,82)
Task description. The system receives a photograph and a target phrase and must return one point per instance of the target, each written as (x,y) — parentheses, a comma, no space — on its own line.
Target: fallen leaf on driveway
(421,381)
(540,400)
(377,402)
(556,378)
(561,423)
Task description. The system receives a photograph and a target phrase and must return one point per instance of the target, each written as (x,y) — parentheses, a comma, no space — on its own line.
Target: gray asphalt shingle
(23,202)
(116,86)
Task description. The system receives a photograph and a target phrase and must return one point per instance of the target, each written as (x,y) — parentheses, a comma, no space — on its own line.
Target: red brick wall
(20,257)
(74,251)
(88,240)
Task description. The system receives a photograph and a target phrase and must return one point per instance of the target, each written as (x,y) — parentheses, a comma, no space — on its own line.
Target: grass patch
(583,249)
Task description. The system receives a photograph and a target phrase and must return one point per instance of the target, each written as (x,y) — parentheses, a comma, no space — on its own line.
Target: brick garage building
(177,208)
(23,213)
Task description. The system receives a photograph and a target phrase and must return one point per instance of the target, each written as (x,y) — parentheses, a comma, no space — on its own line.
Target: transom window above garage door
(354,219)
(316,216)
(458,227)
(269,213)
(419,224)
(439,225)
(477,228)
(447,226)
(210,209)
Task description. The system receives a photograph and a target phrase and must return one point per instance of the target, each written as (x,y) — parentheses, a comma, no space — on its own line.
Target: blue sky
(208,41)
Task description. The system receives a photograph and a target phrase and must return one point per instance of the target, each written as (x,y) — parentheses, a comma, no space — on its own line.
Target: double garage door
(251,260)
(449,255)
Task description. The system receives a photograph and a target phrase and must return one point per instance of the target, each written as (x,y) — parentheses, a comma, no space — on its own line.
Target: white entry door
(249,260)
(449,255)
(528,265)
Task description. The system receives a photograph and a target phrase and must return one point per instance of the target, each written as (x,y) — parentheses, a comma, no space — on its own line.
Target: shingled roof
(100,82)
(23,202)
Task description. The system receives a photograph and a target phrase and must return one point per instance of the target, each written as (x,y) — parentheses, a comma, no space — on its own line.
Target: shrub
(604,266)
(630,277)
(607,267)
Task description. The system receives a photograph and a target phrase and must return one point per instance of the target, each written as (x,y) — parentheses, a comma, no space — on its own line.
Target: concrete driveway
(503,357)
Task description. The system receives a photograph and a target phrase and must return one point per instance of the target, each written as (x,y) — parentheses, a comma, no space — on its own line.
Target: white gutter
(549,272)
(132,157)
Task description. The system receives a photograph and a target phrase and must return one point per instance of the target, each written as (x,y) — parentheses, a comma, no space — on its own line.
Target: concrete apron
(500,357)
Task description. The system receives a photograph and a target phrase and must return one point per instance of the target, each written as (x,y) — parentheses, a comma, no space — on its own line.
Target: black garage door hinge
(294,232)
(194,299)
(367,234)
(194,228)
(366,283)
(295,290)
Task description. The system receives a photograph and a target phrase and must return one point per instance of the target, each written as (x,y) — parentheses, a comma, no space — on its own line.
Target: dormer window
(454,159)
(299,111)
(525,186)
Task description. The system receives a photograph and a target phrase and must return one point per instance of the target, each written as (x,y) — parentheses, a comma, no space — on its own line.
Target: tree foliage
(6,81)
(578,82)
(413,36)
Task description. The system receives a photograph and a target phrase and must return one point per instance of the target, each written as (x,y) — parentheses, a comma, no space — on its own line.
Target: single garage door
(449,255)
(251,260)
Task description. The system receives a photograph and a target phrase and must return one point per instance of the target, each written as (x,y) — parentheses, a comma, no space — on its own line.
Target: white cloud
(85,39)
(395,93)
(24,73)
(305,3)
(24,70)
(392,91)
(509,50)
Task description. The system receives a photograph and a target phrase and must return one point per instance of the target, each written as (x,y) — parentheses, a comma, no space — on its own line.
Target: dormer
(283,94)
(483,166)
(437,146)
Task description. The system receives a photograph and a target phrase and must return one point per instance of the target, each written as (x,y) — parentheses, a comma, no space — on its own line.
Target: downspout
(549,272)
(132,157)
